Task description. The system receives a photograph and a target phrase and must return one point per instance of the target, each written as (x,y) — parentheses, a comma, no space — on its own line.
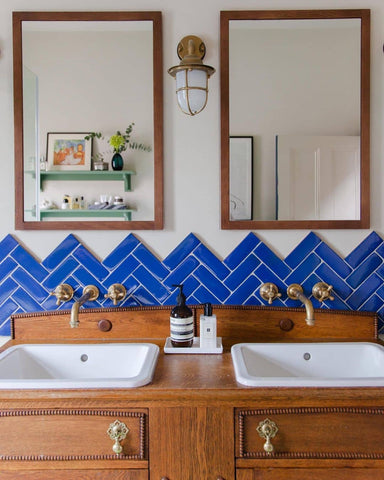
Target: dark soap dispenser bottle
(181,322)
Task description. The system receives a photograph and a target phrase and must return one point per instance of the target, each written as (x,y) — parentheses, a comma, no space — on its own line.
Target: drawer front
(312,474)
(337,433)
(57,434)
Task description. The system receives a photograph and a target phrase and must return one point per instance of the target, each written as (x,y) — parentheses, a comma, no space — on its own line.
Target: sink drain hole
(84,357)
(307,356)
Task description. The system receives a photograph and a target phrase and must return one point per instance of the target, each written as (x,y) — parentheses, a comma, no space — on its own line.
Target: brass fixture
(191,75)
(63,293)
(90,293)
(116,293)
(295,292)
(117,431)
(269,292)
(267,429)
(322,291)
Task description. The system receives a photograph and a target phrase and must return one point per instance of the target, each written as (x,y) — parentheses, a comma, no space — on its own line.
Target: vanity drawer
(72,434)
(325,433)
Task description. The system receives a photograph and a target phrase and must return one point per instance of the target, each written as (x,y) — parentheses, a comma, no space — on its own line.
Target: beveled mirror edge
(156,17)
(364,221)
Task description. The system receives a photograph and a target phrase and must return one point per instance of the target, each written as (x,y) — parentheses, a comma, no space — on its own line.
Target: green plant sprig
(121,141)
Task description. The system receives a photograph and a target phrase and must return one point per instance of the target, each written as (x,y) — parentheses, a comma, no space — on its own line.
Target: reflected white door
(318,177)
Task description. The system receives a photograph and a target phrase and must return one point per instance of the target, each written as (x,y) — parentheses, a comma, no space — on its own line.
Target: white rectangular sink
(339,364)
(97,365)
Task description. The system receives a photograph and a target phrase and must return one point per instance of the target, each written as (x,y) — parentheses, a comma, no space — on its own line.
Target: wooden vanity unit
(194,421)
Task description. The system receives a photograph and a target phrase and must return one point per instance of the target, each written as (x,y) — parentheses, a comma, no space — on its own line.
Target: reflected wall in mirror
(88,72)
(297,82)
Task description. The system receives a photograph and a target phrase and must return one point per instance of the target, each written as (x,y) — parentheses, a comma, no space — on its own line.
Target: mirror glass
(295,119)
(77,73)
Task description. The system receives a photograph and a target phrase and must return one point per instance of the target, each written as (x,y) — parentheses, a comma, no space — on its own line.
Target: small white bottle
(208,328)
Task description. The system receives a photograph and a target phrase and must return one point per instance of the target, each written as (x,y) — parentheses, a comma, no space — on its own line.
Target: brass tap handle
(267,429)
(63,293)
(322,291)
(117,431)
(269,292)
(116,293)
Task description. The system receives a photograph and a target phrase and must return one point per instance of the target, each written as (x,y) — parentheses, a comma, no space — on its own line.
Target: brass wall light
(191,75)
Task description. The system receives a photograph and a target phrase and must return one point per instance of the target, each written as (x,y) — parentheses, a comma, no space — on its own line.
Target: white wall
(192,144)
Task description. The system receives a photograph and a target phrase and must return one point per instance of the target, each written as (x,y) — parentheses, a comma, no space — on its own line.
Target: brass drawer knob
(117,431)
(267,429)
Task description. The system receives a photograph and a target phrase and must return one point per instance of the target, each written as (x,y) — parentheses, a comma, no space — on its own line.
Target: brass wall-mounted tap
(90,293)
(269,292)
(116,293)
(63,293)
(295,292)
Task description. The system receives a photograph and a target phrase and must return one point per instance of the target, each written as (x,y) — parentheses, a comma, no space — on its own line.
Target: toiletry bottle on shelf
(207,328)
(181,322)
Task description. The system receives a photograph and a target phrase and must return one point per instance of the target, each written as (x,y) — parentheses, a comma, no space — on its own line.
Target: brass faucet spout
(295,292)
(89,293)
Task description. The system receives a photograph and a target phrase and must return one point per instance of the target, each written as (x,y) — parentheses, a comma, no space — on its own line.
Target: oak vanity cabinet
(46,443)
(321,443)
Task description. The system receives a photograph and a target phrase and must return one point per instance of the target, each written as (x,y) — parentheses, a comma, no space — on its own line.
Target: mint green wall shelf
(86,175)
(80,213)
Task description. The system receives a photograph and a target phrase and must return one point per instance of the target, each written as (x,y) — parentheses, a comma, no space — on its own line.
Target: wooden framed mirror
(298,83)
(77,73)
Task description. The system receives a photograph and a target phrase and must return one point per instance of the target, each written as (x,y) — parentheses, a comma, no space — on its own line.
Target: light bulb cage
(191,51)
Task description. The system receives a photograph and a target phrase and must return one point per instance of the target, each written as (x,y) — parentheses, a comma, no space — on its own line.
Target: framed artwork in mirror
(241,177)
(68,151)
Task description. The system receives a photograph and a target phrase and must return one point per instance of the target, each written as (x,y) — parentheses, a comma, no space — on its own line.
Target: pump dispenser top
(181,321)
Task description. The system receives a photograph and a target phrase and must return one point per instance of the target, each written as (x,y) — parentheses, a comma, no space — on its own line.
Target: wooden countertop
(200,379)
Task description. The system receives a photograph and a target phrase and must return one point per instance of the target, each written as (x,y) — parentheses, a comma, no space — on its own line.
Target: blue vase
(117,162)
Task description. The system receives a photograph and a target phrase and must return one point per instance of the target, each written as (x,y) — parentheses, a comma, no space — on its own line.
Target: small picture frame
(68,151)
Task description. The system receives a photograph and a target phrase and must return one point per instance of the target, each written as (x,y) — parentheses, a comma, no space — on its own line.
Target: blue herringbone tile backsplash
(358,279)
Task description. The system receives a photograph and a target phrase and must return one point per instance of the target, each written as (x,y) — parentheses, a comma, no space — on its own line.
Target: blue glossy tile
(30,285)
(203,295)
(362,251)
(181,272)
(23,258)
(84,277)
(242,251)
(61,273)
(264,274)
(310,242)
(121,251)
(8,308)
(365,290)
(244,291)
(337,303)
(309,283)
(217,288)
(7,266)
(7,288)
(380,292)
(131,284)
(122,271)
(182,251)
(333,260)
(244,269)
(253,300)
(373,304)
(266,255)
(156,289)
(143,297)
(150,262)
(88,261)
(7,245)
(380,250)
(329,276)
(25,301)
(211,262)
(364,270)
(303,270)
(65,248)
(130,302)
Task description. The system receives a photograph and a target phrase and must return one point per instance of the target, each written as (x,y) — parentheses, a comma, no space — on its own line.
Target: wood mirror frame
(156,19)
(364,220)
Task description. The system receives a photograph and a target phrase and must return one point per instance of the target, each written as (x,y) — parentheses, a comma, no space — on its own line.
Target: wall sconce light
(191,75)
